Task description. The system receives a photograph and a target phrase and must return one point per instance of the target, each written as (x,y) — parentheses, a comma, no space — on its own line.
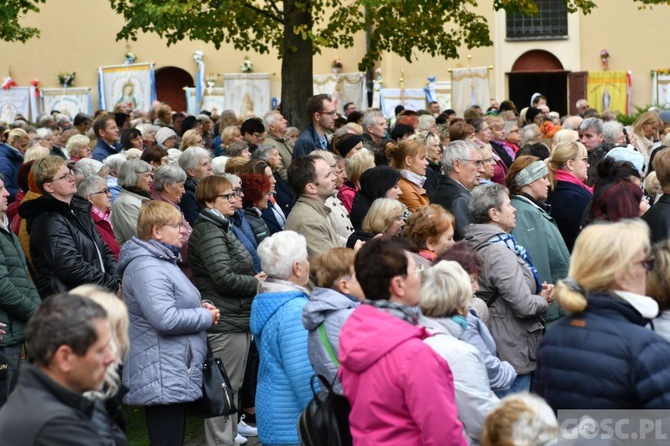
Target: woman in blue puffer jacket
(168,324)
(602,356)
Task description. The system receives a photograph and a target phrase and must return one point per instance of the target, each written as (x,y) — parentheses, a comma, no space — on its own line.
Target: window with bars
(551,22)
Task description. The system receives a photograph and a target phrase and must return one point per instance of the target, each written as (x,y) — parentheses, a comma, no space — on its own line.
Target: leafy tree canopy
(10,13)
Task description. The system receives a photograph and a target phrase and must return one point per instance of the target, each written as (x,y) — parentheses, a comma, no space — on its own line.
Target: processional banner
(17,100)
(469,86)
(343,88)
(247,94)
(133,85)
(609,90)
(213,100)
(67,100)
(410,98)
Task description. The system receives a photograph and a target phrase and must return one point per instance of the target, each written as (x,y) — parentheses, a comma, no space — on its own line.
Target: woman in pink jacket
(401,391)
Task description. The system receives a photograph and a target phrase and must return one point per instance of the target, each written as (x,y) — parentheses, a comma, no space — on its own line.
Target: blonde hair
(381,214)
(564,135)
(35,153)
(75,143)
(155,214)
(117,315)
(398,153)
(188,139)
(326,155)
(356,166)
(561,154)
(658,279)
(650,117)
(445,287)
(45,168)
(614,245)
(16,134)
(521,419)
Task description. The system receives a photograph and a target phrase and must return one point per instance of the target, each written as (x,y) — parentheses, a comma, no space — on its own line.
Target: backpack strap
(326,343)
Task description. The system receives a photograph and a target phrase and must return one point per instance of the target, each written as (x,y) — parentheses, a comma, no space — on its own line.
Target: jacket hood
(376,181)
(265,305)
(321,302)
(636,311)
(479,235)
(442,325)
(135,248)
(369,334)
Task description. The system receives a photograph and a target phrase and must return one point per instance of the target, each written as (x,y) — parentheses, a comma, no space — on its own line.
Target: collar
(32,375)
(646,306)
(101,215)
(321,208)
(413,177)
(540,204)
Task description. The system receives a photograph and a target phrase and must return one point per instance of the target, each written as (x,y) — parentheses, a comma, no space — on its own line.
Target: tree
(10,13)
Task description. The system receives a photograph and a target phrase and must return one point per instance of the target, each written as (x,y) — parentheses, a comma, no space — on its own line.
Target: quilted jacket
(284,373)
(223,271)
(167,327)
(125,210)
(18,295)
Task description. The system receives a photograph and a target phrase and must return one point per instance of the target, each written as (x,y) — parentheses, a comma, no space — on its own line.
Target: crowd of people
(435,268)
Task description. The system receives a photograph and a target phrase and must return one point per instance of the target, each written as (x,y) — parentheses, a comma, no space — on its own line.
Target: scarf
(413,177)
(408,314)
(510,242)
(138,191)
(509,147)
(562,175)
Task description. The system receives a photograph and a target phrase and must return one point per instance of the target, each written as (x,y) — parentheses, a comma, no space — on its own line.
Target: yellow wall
(80,36)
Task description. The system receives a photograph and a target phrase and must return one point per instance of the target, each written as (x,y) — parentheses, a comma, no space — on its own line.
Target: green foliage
(11,11)
(630,118)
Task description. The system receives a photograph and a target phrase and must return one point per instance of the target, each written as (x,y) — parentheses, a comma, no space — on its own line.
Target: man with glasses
(321,113)
(463,166)
(66,248)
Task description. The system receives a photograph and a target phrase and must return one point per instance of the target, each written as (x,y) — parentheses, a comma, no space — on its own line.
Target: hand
(547,292)
(261,276)
(208,306)
(359,244)
(215,313)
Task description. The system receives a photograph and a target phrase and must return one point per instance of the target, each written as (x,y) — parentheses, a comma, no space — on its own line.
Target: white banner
(343,88)
(469,86)
(247,94)
(410,98)
(133,85)
(213,100)
(17,100)
(660,89)
(67,100)
(443,94)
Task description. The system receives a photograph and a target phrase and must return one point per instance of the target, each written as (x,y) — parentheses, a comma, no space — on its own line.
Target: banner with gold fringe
(609,90)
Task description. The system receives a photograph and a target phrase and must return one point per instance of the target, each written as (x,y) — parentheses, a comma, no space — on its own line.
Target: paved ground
(253,441)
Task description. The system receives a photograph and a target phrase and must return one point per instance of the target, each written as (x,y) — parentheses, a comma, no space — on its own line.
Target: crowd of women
(186,223)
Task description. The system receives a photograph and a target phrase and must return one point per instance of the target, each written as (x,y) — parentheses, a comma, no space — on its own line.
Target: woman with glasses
(67,250)
(135,178)
(568,169)
(605,346)
(535,229)
(256,190)
(94,189)
(224,273)
(168,323)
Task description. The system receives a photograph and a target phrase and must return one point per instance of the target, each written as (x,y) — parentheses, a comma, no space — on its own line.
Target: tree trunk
(296,67)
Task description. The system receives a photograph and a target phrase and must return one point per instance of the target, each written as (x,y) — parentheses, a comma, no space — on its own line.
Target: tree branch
(263,12)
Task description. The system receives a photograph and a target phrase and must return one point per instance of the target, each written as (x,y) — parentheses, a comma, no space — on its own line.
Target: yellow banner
(608,90)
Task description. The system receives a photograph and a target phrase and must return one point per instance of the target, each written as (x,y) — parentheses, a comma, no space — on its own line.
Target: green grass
(137,428)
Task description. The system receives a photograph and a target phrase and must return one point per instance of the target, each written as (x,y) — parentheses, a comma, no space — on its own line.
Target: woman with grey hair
(135,179)
(169,187)
(95,190)
(78,147)
(510,284)
(446,293)
(114,163)
(283,389)
(89,166)
(195,161)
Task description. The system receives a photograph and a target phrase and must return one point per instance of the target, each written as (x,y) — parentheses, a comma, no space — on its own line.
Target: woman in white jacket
(445,297)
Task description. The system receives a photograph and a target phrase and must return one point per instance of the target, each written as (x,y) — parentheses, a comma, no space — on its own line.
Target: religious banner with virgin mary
(132,85)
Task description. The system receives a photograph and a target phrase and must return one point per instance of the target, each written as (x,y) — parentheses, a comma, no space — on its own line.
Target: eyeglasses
(490,161)
(175,225)
(332,113)
(478,163)
(230,197)
(104,191)
(237,191)
(68,176)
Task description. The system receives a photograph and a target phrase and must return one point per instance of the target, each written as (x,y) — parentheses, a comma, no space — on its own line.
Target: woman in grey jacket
(167,325)
(335,297)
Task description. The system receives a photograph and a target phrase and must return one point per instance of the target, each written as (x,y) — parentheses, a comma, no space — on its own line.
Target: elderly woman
(409,157)
(513,135)
(276,322)
(276,212)
(523,418)
(148,134)
(354,168)
(445,298)
(195,161)
(482,139)
(256,190)
(504,149)
(434,151)
(135,179)
(224,273)
(78,147)
(604,340)
(384,217)
(169,188)
(283,195)
(66,248)
(191,138)
(239,148)
(94,189)
(336,295)
(241,227)
(509,284)
(113,164)
(569,196)
(11,158)
(430,231)
(168,321)
(535,229)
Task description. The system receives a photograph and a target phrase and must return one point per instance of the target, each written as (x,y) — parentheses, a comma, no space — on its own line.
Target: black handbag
(218,398)
(325,420)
